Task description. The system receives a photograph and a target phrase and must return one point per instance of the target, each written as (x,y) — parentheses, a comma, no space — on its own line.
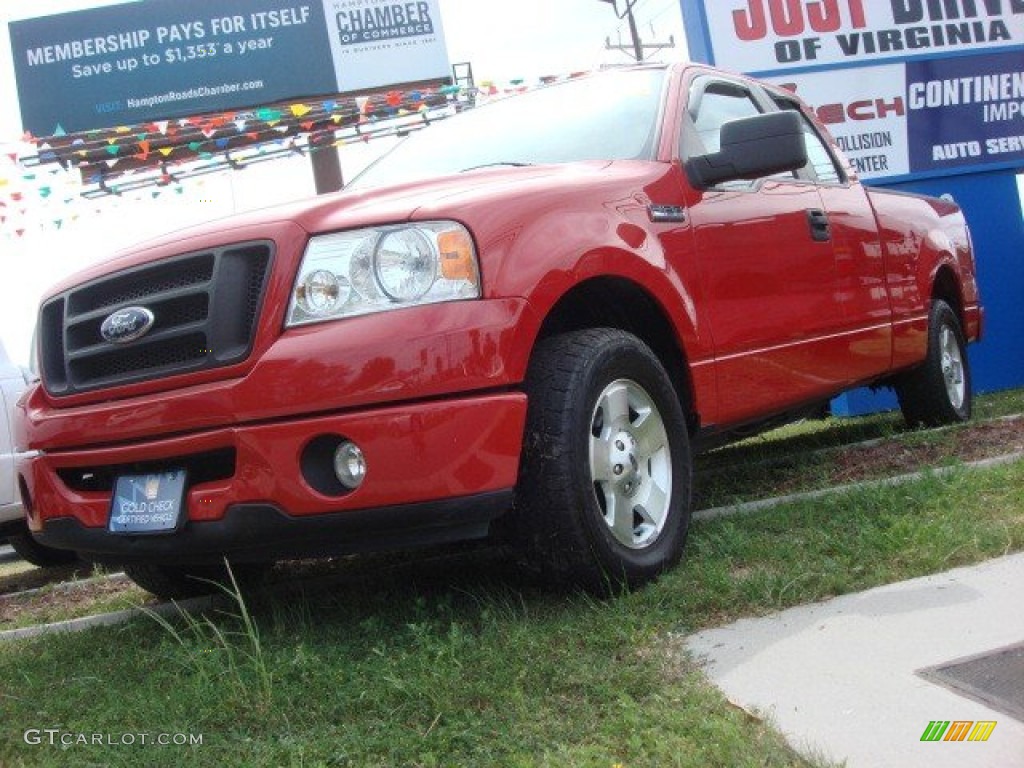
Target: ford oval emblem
(127,324)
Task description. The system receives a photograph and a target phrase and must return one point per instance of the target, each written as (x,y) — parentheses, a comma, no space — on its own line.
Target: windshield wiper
(512,163)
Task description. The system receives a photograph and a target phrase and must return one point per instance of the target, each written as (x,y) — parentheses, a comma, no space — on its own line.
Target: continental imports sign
(768,35)
(159,59)
(924,116)
(966,110)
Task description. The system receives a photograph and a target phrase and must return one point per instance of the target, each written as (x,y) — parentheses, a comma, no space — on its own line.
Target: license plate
(148,503)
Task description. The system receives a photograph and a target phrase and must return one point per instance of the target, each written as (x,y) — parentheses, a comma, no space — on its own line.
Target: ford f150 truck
(520,321)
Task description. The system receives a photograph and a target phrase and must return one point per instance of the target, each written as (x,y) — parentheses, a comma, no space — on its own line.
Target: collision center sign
(907,87)
(158,59)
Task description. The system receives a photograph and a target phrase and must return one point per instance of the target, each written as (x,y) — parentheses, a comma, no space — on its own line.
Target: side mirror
(751,148)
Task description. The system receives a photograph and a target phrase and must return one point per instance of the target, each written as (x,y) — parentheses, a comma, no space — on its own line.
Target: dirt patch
(58,602)
(928,449)
(785,471)
(20,576)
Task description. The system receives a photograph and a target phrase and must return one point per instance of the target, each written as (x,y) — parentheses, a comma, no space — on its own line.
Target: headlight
(381,268)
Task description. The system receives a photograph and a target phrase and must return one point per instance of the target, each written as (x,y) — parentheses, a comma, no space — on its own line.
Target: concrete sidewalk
(838,678)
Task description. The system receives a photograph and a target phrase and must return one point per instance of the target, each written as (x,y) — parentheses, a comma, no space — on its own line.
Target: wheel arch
(946,287)
(611,301)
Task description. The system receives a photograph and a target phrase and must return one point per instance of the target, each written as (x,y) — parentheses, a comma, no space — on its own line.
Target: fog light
(349,465)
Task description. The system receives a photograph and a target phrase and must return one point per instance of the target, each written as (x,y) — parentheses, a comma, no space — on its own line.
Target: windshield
(611,116)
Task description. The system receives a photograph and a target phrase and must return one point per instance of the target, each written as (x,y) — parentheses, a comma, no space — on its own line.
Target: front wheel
(939,390)
(603,499)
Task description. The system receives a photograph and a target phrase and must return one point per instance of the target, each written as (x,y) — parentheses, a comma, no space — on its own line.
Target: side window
(820,160)
(716,105)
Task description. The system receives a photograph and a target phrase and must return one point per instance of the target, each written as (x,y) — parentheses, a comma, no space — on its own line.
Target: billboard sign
(909,88)
(158,59)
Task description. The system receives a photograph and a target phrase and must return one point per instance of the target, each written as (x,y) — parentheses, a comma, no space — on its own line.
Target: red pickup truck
(522,320)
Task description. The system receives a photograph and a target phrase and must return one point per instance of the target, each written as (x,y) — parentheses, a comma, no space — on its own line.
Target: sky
(503,39)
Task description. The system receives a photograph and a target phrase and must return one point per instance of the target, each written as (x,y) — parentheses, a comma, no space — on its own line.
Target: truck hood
(400,203)
(351,209)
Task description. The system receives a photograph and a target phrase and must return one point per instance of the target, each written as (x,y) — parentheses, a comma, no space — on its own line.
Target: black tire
(33,552)
(172,582)
(938,391)
(571,472)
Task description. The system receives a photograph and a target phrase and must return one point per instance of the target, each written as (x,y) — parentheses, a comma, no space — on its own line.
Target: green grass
(455,662)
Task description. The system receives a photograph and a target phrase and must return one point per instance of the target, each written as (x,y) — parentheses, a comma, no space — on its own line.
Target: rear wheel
(172,582)
(603,499)
(939,390)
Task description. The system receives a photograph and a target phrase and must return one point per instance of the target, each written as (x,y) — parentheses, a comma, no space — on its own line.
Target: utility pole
(638,47)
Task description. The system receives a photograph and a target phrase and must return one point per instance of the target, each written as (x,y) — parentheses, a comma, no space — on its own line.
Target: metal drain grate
(996,679)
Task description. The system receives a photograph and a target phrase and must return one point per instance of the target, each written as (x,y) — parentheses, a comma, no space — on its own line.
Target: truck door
(765,256)
(860,265)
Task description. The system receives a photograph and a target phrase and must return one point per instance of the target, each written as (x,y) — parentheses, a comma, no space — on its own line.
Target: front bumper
(436,470)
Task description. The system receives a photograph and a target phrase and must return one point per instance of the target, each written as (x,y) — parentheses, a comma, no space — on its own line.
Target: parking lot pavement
(842,678)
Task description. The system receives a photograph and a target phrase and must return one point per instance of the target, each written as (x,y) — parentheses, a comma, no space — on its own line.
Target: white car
(13,381)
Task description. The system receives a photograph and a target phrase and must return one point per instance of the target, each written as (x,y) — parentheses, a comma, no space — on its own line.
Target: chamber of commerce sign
(158,59)
(907,87)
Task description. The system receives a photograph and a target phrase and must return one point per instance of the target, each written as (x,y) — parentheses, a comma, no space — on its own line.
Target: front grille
(204,307)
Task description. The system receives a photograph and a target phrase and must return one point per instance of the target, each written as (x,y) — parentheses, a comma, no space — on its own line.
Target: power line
(638,47)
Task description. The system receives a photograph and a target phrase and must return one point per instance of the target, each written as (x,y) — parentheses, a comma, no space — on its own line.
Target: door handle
(821,230)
